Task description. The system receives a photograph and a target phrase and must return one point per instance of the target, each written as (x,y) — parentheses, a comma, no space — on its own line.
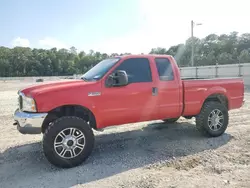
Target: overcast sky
(116,25)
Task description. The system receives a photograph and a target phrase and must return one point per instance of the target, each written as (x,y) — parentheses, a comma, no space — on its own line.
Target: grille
(20,101)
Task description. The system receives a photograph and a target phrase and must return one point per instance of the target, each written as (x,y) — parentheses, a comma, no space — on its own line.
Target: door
(133,102)
(168,84)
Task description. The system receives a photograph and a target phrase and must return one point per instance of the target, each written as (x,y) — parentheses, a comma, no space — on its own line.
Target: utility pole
(192,39)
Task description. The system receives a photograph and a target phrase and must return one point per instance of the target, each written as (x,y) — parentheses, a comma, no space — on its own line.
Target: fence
(33,78)
(231,70)
(216,71)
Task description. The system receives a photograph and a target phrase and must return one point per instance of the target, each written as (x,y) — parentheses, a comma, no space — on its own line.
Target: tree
(244,56)
(225,58)
(221,49)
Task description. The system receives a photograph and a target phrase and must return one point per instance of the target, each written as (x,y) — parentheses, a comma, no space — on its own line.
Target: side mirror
(118,78)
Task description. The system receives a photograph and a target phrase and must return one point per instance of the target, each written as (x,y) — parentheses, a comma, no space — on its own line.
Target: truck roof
(144,56)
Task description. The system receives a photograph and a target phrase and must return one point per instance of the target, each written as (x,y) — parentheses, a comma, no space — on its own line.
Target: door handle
(154,91)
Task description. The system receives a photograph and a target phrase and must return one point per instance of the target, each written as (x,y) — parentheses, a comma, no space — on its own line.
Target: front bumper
(29,123)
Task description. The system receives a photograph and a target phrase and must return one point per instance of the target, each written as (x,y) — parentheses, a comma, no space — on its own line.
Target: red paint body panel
(135,102)
(196,92)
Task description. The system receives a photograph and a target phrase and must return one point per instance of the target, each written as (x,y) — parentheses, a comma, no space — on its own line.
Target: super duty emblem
(94,94)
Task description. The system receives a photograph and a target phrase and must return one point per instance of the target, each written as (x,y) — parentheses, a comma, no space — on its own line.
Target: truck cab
(139,89)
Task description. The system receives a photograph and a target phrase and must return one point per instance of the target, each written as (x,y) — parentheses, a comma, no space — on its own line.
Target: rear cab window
(138,70)
(164,68)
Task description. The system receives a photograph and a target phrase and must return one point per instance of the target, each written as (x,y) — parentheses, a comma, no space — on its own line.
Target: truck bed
(195,91)
(207,78)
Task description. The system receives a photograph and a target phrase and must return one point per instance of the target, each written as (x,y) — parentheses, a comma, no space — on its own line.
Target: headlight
(26,103)
(29,104)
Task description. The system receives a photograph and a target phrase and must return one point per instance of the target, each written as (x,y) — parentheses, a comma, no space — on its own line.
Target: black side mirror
(118,78)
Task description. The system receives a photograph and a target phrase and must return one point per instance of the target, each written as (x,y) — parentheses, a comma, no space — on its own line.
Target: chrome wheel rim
(69,143)
(215,120)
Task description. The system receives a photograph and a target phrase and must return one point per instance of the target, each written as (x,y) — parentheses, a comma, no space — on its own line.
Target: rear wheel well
(69,110)
(217,98)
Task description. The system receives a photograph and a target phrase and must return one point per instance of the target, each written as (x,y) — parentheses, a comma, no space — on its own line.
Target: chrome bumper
(29,123)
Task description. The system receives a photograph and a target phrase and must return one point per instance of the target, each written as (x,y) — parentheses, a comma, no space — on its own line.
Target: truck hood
(35,90)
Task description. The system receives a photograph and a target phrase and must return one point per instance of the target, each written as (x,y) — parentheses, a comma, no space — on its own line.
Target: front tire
(213,119)
(68,142)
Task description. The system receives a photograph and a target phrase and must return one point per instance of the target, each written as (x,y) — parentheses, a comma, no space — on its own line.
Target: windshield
(100,69)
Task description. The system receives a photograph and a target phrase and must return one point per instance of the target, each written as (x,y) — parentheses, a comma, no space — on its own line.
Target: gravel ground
(148,154)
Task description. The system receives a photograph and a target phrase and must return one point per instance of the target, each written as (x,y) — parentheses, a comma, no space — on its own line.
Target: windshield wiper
(84,79)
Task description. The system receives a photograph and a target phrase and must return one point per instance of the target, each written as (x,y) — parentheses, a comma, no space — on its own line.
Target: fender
(54,100)
(216,90)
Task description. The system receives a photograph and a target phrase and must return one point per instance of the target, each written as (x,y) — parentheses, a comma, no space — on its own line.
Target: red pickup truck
(121,90)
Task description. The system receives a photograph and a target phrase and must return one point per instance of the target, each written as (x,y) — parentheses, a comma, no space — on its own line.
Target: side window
(138,70)
(164,68)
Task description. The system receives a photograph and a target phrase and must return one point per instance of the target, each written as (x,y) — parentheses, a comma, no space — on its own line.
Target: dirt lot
(149,154)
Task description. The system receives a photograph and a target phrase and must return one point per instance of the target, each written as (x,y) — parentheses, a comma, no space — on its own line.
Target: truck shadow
(114,153)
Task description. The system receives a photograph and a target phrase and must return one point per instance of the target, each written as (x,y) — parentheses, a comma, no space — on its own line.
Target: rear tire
(171,120)
(213,119)
(68,142)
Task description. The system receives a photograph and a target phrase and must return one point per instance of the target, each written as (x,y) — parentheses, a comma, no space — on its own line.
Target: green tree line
(221,49)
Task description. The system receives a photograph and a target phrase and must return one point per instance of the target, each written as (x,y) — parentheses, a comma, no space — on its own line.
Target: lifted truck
(117,91)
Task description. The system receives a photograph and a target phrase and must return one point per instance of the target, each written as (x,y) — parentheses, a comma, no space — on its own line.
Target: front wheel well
(217,98)
(69,110)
